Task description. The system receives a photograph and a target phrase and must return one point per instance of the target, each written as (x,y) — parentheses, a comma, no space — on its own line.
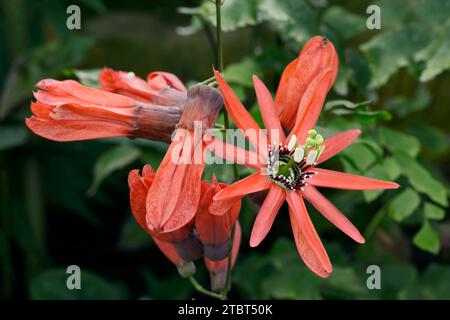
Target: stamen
(299,154)
(289,165)
(311,157)
(292,143)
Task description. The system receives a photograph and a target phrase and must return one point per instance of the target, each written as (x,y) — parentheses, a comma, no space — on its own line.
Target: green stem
(219,47)
(226,119)
(208,81)
(197,286)
(219,35)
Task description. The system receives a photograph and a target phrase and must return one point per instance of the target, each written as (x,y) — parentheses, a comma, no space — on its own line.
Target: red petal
(253,183)
(75,130)
(41,110)
(138,194)
(169,251)
(234,154)
(329,211)
(169,79)
(268,112)
(241,116)
(175,193)
(95,96)
(340,180)
(306,238)
(337,143)
(267,214)
(311,104)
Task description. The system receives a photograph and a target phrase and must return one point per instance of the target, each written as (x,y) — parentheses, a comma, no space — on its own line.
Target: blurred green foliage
(67,203)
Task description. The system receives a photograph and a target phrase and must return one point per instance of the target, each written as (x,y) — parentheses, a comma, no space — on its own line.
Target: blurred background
(67,203)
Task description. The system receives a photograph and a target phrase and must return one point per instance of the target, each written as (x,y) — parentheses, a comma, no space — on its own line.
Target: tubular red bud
(69,111)
(218,269)
(179,246)
(214,230)
(318,54)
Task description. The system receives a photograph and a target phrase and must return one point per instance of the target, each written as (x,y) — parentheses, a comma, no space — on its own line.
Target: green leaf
(346,23)
(421,179)
(432,211)
(388,169)
(436,54)
(294,282)
(112,160)
(241,73)
(12,136)
(343,283)
(361,155)
(344,103)
(399,141)
(390,50)
(51,285)
(403,205)
(427,238)
(360,110)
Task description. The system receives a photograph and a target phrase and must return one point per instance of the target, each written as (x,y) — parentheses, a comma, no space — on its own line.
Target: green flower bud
(312,133)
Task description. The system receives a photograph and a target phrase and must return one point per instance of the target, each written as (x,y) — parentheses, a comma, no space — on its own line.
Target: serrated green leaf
(403,205)
(421,179)
(390,50)
(346,23)
(432,211)
(302,22)
(112,160)
(427,238)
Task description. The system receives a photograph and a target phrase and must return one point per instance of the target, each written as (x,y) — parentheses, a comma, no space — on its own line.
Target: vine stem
(197,286)
(226,119)
(219,58)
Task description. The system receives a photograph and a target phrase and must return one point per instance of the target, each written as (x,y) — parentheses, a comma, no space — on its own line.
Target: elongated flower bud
(69,111)
(318,54)
(218,269)
(180,246)
(214,221)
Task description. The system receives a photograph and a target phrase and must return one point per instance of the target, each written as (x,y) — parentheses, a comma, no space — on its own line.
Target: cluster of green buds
(310,151)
